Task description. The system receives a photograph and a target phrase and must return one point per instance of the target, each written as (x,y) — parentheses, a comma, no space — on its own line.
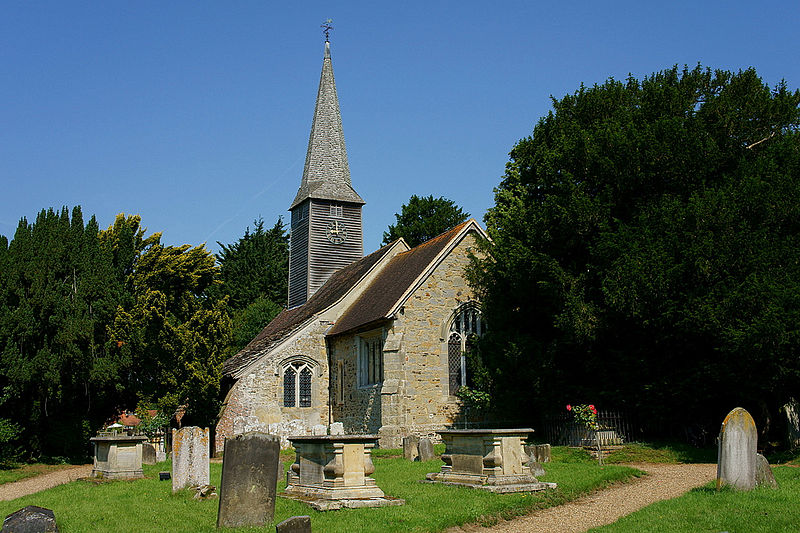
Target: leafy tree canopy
(256,266)
(645,250)
(423,218)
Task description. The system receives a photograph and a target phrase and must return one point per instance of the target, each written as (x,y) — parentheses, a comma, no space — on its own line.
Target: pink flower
(569,407)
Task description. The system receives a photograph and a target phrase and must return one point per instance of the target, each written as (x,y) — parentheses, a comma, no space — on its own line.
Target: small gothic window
(336,211)
(297,378)
(466,326)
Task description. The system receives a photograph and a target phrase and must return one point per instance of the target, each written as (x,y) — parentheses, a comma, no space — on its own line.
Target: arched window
(464,328)
(297,377)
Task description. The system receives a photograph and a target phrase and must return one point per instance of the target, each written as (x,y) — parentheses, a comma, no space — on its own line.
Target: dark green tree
(255,273)
(423,218)
(645,245)
(256,266)
(58,293)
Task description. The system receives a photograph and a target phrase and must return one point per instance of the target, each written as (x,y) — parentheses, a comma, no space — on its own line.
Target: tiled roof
(392,282)
(290,319)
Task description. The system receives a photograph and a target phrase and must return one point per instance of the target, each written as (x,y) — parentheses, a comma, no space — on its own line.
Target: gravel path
(663,482)
(17,489)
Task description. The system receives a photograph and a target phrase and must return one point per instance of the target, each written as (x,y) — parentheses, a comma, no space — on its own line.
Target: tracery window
(297,378)
(464,329)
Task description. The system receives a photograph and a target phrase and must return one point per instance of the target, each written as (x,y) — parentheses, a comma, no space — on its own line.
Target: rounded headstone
(736,457)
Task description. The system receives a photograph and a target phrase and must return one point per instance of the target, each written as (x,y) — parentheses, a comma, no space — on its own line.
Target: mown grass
(706,510)
(148,505)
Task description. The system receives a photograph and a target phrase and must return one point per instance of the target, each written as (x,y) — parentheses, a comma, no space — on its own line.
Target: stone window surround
(445,336)
(361,342)
(298,362)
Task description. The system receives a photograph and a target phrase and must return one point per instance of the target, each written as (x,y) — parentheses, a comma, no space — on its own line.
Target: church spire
(326,175)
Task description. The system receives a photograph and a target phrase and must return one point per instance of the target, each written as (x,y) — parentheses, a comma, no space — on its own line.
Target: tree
(645,250)
(173,335)
(255,275)
(58,293)
(256,266)
(423,218)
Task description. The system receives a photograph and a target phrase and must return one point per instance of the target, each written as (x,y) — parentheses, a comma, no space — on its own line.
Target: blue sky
(196,114)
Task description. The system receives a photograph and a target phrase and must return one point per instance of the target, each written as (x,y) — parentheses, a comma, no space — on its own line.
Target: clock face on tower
(336,232)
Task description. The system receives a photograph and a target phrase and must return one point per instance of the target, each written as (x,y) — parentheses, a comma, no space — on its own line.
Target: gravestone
(190,452)
(161,456)
(764,475)
(249,480)
(295,524)
(426,450)
(539,453)
(148,454)
(411,448)
(30,519)
(337,428)
(736,456)
(319,429)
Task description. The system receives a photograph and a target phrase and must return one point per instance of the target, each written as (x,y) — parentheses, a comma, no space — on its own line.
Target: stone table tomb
(118,456)
(332,471)
(488,459)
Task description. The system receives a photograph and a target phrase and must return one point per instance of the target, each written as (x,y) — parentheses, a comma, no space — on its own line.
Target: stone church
(375,342)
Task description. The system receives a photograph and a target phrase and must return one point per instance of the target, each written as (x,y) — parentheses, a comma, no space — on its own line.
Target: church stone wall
(255,403)
(413,398)
(360,410)
(422,403)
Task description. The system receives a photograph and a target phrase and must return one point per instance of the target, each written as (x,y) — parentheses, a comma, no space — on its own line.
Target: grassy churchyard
(149,505)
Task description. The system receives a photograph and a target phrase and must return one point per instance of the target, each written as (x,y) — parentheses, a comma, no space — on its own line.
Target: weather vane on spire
(326,26)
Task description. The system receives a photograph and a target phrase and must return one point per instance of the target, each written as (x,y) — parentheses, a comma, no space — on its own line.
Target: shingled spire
(326,228)
(326,175)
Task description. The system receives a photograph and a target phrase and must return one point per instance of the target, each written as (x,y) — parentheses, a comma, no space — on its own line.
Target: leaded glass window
(289,389)
(464,329)
(305,387)
(297,379)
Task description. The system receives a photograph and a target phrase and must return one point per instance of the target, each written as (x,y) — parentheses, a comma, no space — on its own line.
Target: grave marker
(31,519)
(411,448)
(426,450)
(190,453)
(736,456)
(295,524)
(249,480)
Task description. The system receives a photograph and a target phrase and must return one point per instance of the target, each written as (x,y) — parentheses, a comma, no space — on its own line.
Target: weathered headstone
(539,453)
(190,451)
(249,480)
(736,456)
(764,475)
(148,454)
(295,524)
(792,412)
(411,448)
(319,429)
(30,519)
(337,428)
(426,450)
(161,456)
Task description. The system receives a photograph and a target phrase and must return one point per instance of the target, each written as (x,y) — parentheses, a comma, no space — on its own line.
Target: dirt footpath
(17,489)
(663,482)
